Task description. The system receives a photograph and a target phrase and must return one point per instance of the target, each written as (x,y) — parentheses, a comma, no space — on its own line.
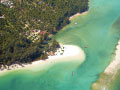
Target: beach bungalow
(8,3)
(42,32)
(2,1)
(51,53)
(40,2)
(5,2)
(2,16)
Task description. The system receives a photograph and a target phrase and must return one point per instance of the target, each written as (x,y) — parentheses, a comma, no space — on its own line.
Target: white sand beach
(64,54)
(114,66)
(109,74)
(78,14)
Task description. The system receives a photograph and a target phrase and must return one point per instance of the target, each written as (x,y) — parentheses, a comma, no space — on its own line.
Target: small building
(51,53)
(2,16)
(8,3)
(40,2)
(5,2)
(2,1)
(42,32)
(50,35)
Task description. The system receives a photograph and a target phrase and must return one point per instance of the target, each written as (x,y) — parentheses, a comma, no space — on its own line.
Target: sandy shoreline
(78,14)
(109,74)
(70,51)
(115,64)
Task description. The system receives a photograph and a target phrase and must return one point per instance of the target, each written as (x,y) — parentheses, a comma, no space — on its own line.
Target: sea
(97,33)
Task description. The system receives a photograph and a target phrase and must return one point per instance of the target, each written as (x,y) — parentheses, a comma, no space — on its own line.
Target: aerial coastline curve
(73,52)
(105,80)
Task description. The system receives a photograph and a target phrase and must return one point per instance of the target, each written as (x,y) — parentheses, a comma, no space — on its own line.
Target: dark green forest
(21,18)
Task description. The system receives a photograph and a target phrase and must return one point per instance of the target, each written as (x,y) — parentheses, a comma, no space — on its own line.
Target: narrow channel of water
(94,34)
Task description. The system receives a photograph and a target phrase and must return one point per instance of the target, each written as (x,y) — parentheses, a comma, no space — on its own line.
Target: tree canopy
(48,16)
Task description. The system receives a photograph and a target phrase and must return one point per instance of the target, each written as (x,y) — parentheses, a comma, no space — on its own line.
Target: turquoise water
(98,31)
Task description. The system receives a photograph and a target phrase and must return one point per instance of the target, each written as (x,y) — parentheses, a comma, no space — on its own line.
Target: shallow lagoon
(97,31)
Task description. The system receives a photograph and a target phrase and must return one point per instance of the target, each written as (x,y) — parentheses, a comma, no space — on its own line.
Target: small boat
(85,47)
(72,73)
(75,23)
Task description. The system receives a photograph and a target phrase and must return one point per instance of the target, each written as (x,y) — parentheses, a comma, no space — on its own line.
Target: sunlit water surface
(98,31)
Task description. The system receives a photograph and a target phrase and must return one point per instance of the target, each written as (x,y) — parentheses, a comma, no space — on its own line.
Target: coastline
(109,74)
(70,51)
(77,53)
(78,14)
(115,64)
